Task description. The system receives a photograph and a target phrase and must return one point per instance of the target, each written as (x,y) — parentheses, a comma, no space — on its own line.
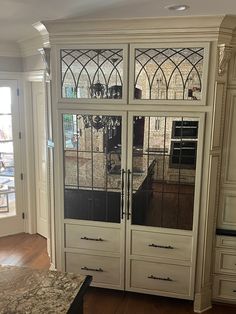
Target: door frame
(29,78)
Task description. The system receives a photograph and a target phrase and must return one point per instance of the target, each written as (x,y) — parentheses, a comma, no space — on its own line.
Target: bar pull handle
(128,194)
(92,269)
(122,193)
(91,239)
(161,246)
(160,278)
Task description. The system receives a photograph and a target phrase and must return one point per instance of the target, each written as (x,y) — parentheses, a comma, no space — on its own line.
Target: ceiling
(17,16)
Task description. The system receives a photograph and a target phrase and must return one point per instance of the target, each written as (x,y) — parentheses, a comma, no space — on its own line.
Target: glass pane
(7,169)
(92,73)
(163,171)
(168,73)
(5,97)
(92,173)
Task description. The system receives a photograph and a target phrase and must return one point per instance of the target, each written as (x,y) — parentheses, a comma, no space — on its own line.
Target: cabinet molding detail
(219,116)
(230,164)
(232,70)
(225,53)
(227,215)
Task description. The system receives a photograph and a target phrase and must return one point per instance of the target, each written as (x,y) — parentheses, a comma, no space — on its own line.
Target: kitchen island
(29,291)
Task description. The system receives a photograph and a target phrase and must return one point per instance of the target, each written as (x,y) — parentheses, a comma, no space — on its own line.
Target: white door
(11,215)
(40,136)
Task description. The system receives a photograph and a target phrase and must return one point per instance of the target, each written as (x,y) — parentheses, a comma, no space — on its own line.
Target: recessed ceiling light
(177,7)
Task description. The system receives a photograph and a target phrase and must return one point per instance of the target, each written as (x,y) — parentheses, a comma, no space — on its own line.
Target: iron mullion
(105,135)
(179,168)
(77,150)
(149,118)
(91,133)
(163,172)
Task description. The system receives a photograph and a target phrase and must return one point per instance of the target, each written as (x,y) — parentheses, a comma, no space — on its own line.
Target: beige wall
(32,63)
(11,64)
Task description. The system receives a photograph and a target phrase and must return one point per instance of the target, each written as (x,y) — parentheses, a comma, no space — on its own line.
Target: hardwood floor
(24,250)
(30,250)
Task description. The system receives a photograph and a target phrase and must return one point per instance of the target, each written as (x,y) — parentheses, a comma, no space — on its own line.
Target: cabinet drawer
(92,238)
(160,277)
(224,288)
(226,241)
(104,270)
(161,245)
(225,261)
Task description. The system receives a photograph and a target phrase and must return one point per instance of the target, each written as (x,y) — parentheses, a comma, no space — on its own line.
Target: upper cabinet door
(164,170)
(93,167)
(169,74)
(93,74)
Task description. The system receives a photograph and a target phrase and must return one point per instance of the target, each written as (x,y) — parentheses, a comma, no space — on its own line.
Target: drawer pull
(92,269)
(234,290)
(91,239)
(160,278)
(161,246)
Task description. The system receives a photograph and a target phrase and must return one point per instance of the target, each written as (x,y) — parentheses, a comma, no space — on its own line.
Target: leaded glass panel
(92,73)
(169,73)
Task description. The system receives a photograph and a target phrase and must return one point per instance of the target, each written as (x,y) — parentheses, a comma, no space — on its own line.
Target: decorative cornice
(45,53)
(225,53)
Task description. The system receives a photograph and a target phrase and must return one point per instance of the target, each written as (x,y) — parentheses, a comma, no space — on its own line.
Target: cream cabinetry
(123,211)
(224,285)
(138,133)
(161,245)
(95,250)
(161,263)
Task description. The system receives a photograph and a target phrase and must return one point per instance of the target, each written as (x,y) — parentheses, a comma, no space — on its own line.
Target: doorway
(11,187)
(40,149)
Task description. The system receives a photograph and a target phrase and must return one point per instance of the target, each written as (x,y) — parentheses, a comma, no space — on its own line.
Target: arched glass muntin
(169,73)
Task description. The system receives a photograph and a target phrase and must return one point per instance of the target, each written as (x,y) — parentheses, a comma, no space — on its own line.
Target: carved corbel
(45,53)
(225,54)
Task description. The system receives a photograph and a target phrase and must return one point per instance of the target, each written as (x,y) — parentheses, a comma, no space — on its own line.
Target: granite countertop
(27,291)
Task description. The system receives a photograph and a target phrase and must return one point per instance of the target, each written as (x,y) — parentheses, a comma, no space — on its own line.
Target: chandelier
(101,122)
(98,90)
(115,91)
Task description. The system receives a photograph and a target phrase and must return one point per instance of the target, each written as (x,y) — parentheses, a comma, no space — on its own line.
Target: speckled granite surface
(27,291)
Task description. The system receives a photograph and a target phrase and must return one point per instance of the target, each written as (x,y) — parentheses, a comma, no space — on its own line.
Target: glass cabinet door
(162,178)
(92,167)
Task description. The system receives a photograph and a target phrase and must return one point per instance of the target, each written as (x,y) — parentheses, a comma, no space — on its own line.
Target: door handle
(122,192)
(128,194)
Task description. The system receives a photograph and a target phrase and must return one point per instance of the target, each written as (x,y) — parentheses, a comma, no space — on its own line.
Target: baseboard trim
(204,310)
(202,300)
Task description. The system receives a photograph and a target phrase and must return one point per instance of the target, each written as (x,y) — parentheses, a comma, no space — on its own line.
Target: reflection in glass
(169,73)
(92,167)
(92,73)
(163,171)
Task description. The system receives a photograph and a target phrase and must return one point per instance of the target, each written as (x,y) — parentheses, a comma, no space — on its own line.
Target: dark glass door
(162,178)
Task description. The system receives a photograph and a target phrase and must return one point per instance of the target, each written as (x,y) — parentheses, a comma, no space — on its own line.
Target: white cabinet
(224,284)
(143,77)
(131,211)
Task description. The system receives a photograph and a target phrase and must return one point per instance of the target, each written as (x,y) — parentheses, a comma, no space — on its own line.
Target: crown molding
(218,28)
